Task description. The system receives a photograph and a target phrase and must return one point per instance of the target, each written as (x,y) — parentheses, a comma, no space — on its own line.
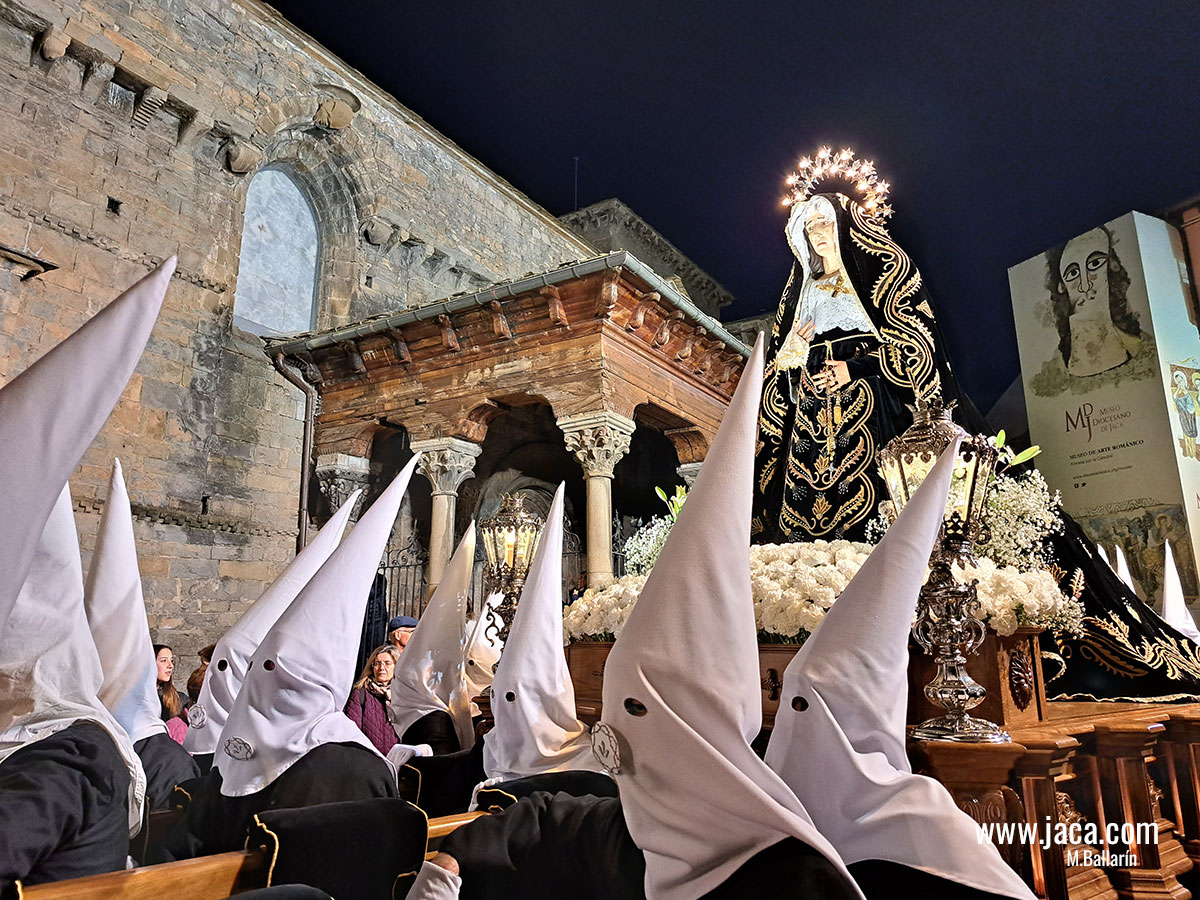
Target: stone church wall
(131,133)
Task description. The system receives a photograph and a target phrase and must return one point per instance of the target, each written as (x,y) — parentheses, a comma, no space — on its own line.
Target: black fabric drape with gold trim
(815,470)
(1126,652)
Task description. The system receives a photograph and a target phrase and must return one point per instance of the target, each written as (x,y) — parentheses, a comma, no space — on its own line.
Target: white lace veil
(827,311)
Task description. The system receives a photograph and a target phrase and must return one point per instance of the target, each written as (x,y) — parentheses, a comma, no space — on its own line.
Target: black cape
(883,880)
(166,764)
(326,774)
(442,785)
(435,729)
(63,808)
(543,841)
(1126,651)
(815,475)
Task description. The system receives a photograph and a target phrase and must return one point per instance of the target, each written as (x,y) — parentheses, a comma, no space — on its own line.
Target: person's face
(1196,381)
(383,668)
(819,229)
(400,637)
(1180,380)
(1084,268)
(166,664)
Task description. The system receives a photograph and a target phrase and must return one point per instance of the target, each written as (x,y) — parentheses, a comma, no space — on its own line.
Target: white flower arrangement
(794,585)
(1021,514)
(644,545)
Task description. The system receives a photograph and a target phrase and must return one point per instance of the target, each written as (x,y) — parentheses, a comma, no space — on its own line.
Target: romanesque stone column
(339,475)
(688,472)
(447,463)
(598,440)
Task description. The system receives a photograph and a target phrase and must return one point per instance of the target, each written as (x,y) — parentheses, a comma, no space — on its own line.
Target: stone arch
(330,165)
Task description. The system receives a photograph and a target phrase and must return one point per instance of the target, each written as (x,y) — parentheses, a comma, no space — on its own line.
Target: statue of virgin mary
(854,345)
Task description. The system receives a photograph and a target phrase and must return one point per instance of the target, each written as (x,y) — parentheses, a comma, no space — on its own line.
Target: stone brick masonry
(130,132)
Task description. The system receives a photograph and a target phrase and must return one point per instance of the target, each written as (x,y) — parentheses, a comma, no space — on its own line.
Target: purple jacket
(370,713)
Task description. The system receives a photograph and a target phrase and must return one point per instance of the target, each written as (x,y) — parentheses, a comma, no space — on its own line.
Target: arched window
(277,272)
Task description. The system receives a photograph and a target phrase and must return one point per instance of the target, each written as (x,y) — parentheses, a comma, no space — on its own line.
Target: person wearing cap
(400,629)
(286,742)
(699,814)
(71,786)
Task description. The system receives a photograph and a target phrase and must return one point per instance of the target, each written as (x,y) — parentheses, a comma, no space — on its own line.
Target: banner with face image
(1110,363)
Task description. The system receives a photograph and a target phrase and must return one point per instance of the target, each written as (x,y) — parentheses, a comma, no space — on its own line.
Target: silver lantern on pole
(948,624)
(510,538)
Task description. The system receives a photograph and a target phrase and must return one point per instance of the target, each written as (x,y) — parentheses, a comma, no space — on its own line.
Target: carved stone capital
(447,462)
(339,475)
(598,440)
(688,472)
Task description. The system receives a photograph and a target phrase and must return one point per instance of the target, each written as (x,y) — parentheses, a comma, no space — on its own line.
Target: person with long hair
(172,703)
(368,703)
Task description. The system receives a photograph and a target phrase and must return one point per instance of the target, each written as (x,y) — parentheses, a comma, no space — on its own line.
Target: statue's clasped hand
(834,375)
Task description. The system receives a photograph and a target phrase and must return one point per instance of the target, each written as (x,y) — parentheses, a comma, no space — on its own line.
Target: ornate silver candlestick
(948,625)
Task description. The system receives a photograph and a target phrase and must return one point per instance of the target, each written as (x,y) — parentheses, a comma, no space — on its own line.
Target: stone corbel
(241,156)
(148,104)
(400,347)
(334,114)
(449,337)
(53,43)
(499,322)
(353,356)
(96,78)
(554,304)
(191,130)
(647,303)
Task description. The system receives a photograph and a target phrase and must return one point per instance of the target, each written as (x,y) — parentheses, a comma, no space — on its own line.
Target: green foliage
(674,503)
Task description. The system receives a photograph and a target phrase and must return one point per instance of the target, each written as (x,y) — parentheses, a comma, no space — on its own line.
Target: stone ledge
(159,516)
(108,244)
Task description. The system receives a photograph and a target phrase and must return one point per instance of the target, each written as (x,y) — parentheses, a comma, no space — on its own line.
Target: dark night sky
(1004,128)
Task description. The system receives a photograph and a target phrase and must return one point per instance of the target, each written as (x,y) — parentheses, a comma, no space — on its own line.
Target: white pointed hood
(1123,569)
(231,655)
(484,646)
(1174,609)
(1103,555)
(116,614)
(696,798)
(298,679)
(50,413)
(430,675)
(49,666)
(840,731)
(533,700)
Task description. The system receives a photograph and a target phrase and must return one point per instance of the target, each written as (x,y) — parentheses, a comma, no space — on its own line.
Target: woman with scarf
(368,703)
(854,345)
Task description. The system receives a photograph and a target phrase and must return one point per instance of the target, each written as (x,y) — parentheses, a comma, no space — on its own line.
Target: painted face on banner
(1084,268)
